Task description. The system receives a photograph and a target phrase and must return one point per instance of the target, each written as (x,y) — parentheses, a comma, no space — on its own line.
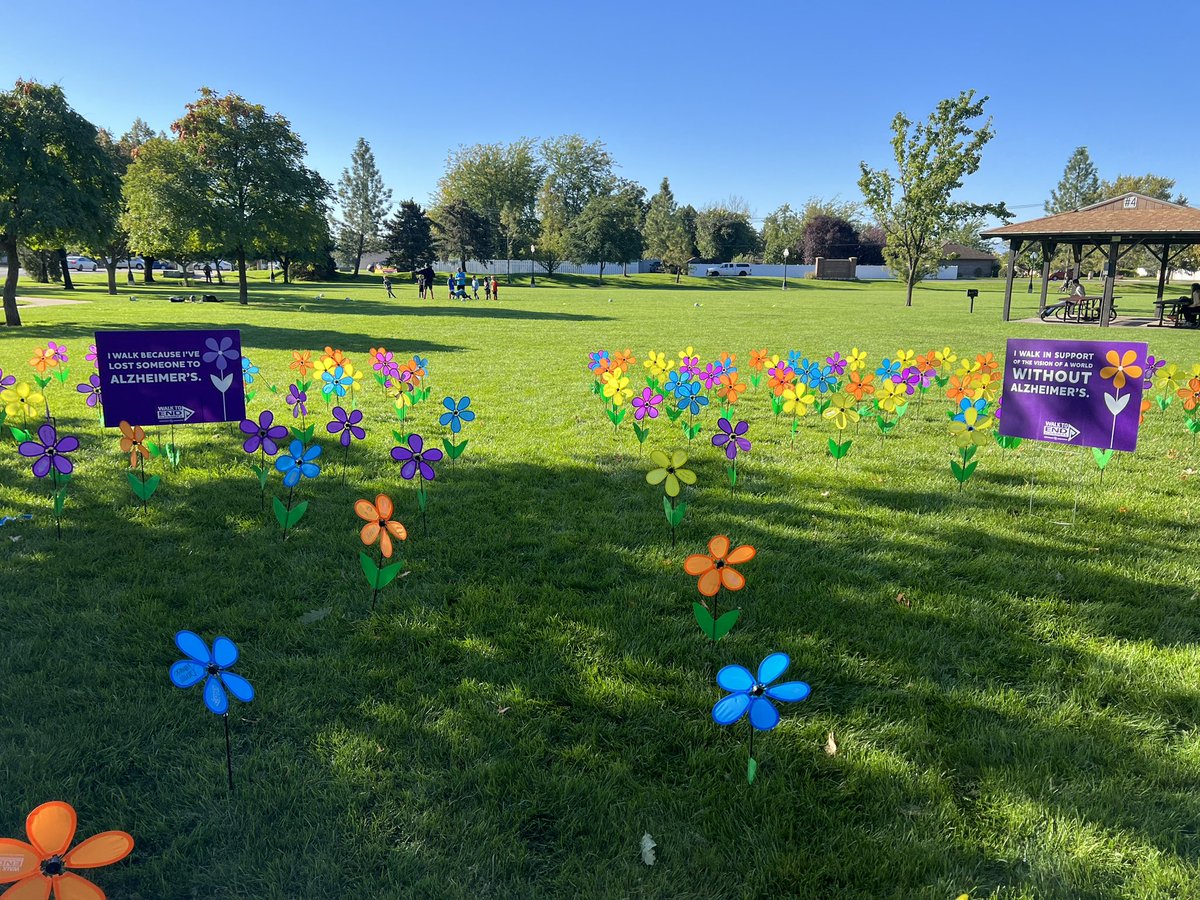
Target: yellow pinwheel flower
(890,395)
(906,358)
(947,357)
(841,410)
(972,430)
(670,471)
(857,360)
(657,364)
(22,400)
(797,400)
(1167,378)
(1195,369)
(616,387)
(687,353)
(355,375)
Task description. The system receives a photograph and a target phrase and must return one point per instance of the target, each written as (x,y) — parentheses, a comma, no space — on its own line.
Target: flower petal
(370,532)
(763,714)
(368,512)
(656,476)
(789,691)
(384,505)
(729,709)
(678,458)
(193,646)
(17,860)
(35,888)
(238,686)
(101,850)
(687,476)
(187,673)
(225,652)
(51,827)
(735,678)
(697,564)
(214,696)
(718,546)
(660,460)
(772,667)
(732,579)
(710,582)
(70,886)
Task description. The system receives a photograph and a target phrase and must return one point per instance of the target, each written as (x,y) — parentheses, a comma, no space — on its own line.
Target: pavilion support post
(1163,261)
(1048,248)
(1014,247)
(1077,254)
(1110,280)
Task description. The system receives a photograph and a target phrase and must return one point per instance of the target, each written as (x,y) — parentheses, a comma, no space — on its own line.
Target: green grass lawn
(535,695)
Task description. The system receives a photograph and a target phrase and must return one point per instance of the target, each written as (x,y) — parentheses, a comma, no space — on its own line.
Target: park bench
(1078,309)
(1178,314)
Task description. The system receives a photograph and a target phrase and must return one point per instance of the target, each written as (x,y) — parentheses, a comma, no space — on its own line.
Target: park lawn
(535,695)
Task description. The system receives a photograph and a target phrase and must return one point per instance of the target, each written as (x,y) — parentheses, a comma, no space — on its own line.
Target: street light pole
(786,250)
(532,263)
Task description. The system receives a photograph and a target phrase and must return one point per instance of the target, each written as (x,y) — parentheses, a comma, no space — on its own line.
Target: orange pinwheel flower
(1190,395)
(860,385)
(731,388)
(43,359)
(380,525)
(926,361)
(133,442)
(987,362)
(782,377)
(337,357)
(302,361)
(727,359)
(1142,414)
(417,372)
(40,866)
(715,568)
(623,360)
(758,359)
(961,386)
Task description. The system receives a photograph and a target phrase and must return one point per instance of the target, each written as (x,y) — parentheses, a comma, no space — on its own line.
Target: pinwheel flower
(963,386)
(597,359)
(647,405)
(891,395)
(966,403)
(841,410)
(297,400)
(726,362)
(7,381)
(823,379)
(616,387)
(1119,366)
(857,361)
(337,381)
(689,362)
(731,388)
(219,352)
(906,358)
(945,357)
(332,359)
(781,377)
(91,387)
(710,376)
(797,400)
(92,355)
(302,362)
(22,400)
(43,359)
(212,668)
(1153,364)
(758,359)
(988,363)
(346,424)
(263,433)
(416,458)
(676,381)
(249,370)
(887,368)
(384,362)
(657,364)
(909,378)
(41,866)
(380,524)
(860,385)
(457,412)
(297,462)
(806,370)
(797,361)
(624,359)
(58,351)
(837,363)
(1164,381)
(731,437)
(670,471)
(690,397)
(972,428)
(133,442)
(50,451)
(748,692)
(715,568)
(1190,395)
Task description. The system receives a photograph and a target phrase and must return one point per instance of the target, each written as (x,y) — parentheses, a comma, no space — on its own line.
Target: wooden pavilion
(1114,227)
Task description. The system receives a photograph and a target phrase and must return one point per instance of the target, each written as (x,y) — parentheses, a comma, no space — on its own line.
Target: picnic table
(1078,309)
(1177,306)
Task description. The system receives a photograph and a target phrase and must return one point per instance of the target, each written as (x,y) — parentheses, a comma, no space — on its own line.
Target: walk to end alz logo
(1087,393)
(170,377)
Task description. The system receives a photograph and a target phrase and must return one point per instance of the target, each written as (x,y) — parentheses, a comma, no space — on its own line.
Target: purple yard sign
(170,377)
(1087,393)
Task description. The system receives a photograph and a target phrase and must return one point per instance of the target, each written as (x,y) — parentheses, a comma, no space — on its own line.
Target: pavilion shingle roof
(1149,217)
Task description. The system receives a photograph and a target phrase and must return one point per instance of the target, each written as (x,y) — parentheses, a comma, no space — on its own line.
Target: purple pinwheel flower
(58,351)
(91,355)
(7,381)
(910,378)
(925,378)
(837,363)
(690,365)
(647,405)
(1153,364)
(263,434)
(597,359)
(50,451)
(730,437)
(91,387)
(416,459)
(220,352)
(297,400)
(710,376)
(346,423)
(999,404)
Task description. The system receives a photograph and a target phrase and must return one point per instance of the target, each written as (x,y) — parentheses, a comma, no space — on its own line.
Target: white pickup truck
(727,269)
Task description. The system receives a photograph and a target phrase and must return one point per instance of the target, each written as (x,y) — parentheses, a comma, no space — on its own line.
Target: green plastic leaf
(668,509)
(369,567)
(1193,425)
(60,499)
(1006,442)
(1102,457)
(304,435)
(679,513)
(642,433)
(173,454)
(956,470)
(703,618)
(143,490)
(281,512)
(839,450)
(884,425)
(674,413)
(596,387)
(422,499)
(724,624)
(751,770)
(297,513)
(617,417)
(968,452)
(776,404)
(19,436)
(731,473)
(250,395)
(155,449)
(900,411)
(1164,401)
(453,450)
(969,469)
(388,574)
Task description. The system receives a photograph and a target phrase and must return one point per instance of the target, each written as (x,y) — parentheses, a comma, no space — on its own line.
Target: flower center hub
(212,668)
(52,866)
(758,690)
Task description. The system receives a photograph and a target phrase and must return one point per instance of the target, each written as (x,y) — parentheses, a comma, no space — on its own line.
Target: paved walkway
(48,301)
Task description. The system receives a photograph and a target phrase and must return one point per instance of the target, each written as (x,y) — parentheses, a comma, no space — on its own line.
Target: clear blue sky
(772,101)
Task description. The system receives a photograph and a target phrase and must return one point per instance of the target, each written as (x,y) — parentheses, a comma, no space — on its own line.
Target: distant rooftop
(1130,215)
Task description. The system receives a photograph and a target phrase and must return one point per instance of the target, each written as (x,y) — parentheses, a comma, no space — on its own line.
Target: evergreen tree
(1079,185)
(365,203)
(408,238)
(661,221)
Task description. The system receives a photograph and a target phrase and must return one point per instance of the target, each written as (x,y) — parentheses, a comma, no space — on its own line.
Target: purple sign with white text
(1087,393)
(170,377)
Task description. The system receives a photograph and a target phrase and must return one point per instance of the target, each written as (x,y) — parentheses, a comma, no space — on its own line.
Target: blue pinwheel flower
(823,380)
(297,462)
(212,668)
(887,368)
(756,694)
(336,382)
(421,363)
(690,397)
(456,413)
(807,372)
(676,380)
(597,359)
(794,360)
(249,370)
(966,403)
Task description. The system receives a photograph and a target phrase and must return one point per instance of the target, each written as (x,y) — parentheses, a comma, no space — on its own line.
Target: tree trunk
(362,239)
(66,269)
(285,263)
(110,266)
(11,316)
(624,270)
(912,280)
(129,270)
(148,272)
(600,274)
(243,298)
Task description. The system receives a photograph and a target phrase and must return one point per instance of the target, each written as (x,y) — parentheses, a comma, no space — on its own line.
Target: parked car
(728,269)
(82,264)
(138,263)
(221,264)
